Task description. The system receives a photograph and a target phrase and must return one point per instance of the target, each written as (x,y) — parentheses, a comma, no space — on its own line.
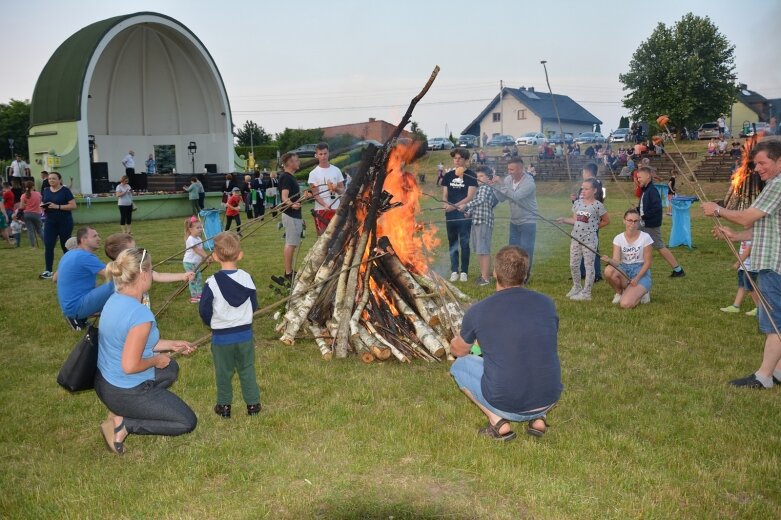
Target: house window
(522,113)
(497,116)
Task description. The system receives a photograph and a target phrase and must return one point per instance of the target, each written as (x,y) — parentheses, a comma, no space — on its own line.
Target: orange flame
(379,292)
(743,171)
(412,240)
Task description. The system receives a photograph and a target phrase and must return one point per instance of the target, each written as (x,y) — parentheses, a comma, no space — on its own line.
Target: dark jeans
(34,227)
(55,228)
(260,208)
(230,220)
(524,236)
(458,232)
(201,200)
(149,408)
(597,264)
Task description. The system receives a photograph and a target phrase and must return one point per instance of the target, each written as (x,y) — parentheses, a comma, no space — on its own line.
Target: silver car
(533,138)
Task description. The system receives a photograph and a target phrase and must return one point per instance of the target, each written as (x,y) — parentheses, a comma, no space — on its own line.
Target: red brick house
(373,129)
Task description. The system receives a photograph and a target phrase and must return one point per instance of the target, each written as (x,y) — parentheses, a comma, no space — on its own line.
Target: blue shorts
(743,279)
(468,372)
(632,269)
(770,285)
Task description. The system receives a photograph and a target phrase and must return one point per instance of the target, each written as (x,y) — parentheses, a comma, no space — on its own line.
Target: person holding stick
(519,188)
(134,374)
(291,214)
(763,223)
(650,210)
(588,215)
(459,186)
(632,254)
(518,378)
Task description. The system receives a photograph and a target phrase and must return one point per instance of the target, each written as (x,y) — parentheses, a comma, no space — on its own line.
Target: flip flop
(534,432)
(492,431)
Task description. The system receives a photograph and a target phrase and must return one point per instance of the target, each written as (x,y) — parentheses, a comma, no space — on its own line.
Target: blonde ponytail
(124,271)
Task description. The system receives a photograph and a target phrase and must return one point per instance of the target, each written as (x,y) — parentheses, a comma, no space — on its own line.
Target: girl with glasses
(632,253)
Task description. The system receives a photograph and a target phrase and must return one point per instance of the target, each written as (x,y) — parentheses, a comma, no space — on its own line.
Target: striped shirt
(766,253)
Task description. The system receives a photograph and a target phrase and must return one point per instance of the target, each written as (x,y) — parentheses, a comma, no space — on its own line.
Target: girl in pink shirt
(30,202)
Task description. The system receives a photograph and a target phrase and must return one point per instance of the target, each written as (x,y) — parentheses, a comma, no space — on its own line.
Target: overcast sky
(304,64)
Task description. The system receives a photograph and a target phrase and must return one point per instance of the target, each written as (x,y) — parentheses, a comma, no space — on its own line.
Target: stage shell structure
(141,82)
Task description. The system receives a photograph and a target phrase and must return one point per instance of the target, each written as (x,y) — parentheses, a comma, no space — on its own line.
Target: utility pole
(501,107)
(556,110)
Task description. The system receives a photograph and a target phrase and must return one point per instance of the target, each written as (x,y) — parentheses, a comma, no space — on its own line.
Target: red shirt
(233,200)
(8,199)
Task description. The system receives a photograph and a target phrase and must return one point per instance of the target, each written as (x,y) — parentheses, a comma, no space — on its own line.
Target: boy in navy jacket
(227,305)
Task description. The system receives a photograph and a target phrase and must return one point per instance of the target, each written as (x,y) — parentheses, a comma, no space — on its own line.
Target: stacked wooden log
(355,294)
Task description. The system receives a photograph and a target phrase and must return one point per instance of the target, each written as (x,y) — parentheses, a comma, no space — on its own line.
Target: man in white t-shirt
(129,162)
(722,125)
(18,167)
(327,184)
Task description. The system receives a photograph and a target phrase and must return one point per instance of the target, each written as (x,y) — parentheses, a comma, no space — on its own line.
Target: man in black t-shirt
(290,193)
(518,377)
(459,185)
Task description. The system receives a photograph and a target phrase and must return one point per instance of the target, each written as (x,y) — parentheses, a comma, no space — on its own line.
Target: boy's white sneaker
(454,276)
(463,277)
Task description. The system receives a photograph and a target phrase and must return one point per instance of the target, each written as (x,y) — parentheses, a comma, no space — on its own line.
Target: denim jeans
(149,408)
(468,373)
(523,236)
(93,301)
(34,227)
(458,233)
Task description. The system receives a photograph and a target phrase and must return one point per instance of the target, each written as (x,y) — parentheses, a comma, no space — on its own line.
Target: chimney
(372,119)
(742,86)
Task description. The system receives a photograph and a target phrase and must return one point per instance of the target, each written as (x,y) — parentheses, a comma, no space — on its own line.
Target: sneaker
(279,225)
(730,309)
(223,410)
(581,297)
(463,277)
(195,299)
(481,282)
(253,409)
(678,274)
(76,324)
(646,298)
(748,382)
(616,299)
(575,290)
(454,276)
(46,275)
(752,312)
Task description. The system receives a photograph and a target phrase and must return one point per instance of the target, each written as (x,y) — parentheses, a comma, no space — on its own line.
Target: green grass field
(646,428)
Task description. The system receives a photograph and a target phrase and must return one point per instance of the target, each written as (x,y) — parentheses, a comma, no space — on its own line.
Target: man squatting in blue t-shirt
(519,377)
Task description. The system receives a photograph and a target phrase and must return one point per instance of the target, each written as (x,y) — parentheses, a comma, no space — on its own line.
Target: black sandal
(492,431)
(534,432)
(109,432)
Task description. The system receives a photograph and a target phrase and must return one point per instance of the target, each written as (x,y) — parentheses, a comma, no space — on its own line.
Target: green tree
(252,134)
(686,71)
(14,124)
(417,133)
(291,138)
(623,122)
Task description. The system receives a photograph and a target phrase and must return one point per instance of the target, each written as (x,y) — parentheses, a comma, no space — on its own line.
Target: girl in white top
(193,256)
(632,253)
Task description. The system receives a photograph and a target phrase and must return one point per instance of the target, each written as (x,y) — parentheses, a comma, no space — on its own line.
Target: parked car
(708,131)
(305,150)
(762,128)
(619,135)
(502,140)
(468,141)
(558,139)
(533,138)
(590,137)
(440,143)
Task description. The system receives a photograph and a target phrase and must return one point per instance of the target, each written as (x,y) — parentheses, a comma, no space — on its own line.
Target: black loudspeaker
(99,171)
(101,186)
(210,168)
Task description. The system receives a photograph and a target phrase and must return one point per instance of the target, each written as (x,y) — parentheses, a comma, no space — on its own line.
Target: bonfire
(745,183)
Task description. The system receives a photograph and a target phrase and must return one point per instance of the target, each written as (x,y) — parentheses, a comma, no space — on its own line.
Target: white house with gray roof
(517,111)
